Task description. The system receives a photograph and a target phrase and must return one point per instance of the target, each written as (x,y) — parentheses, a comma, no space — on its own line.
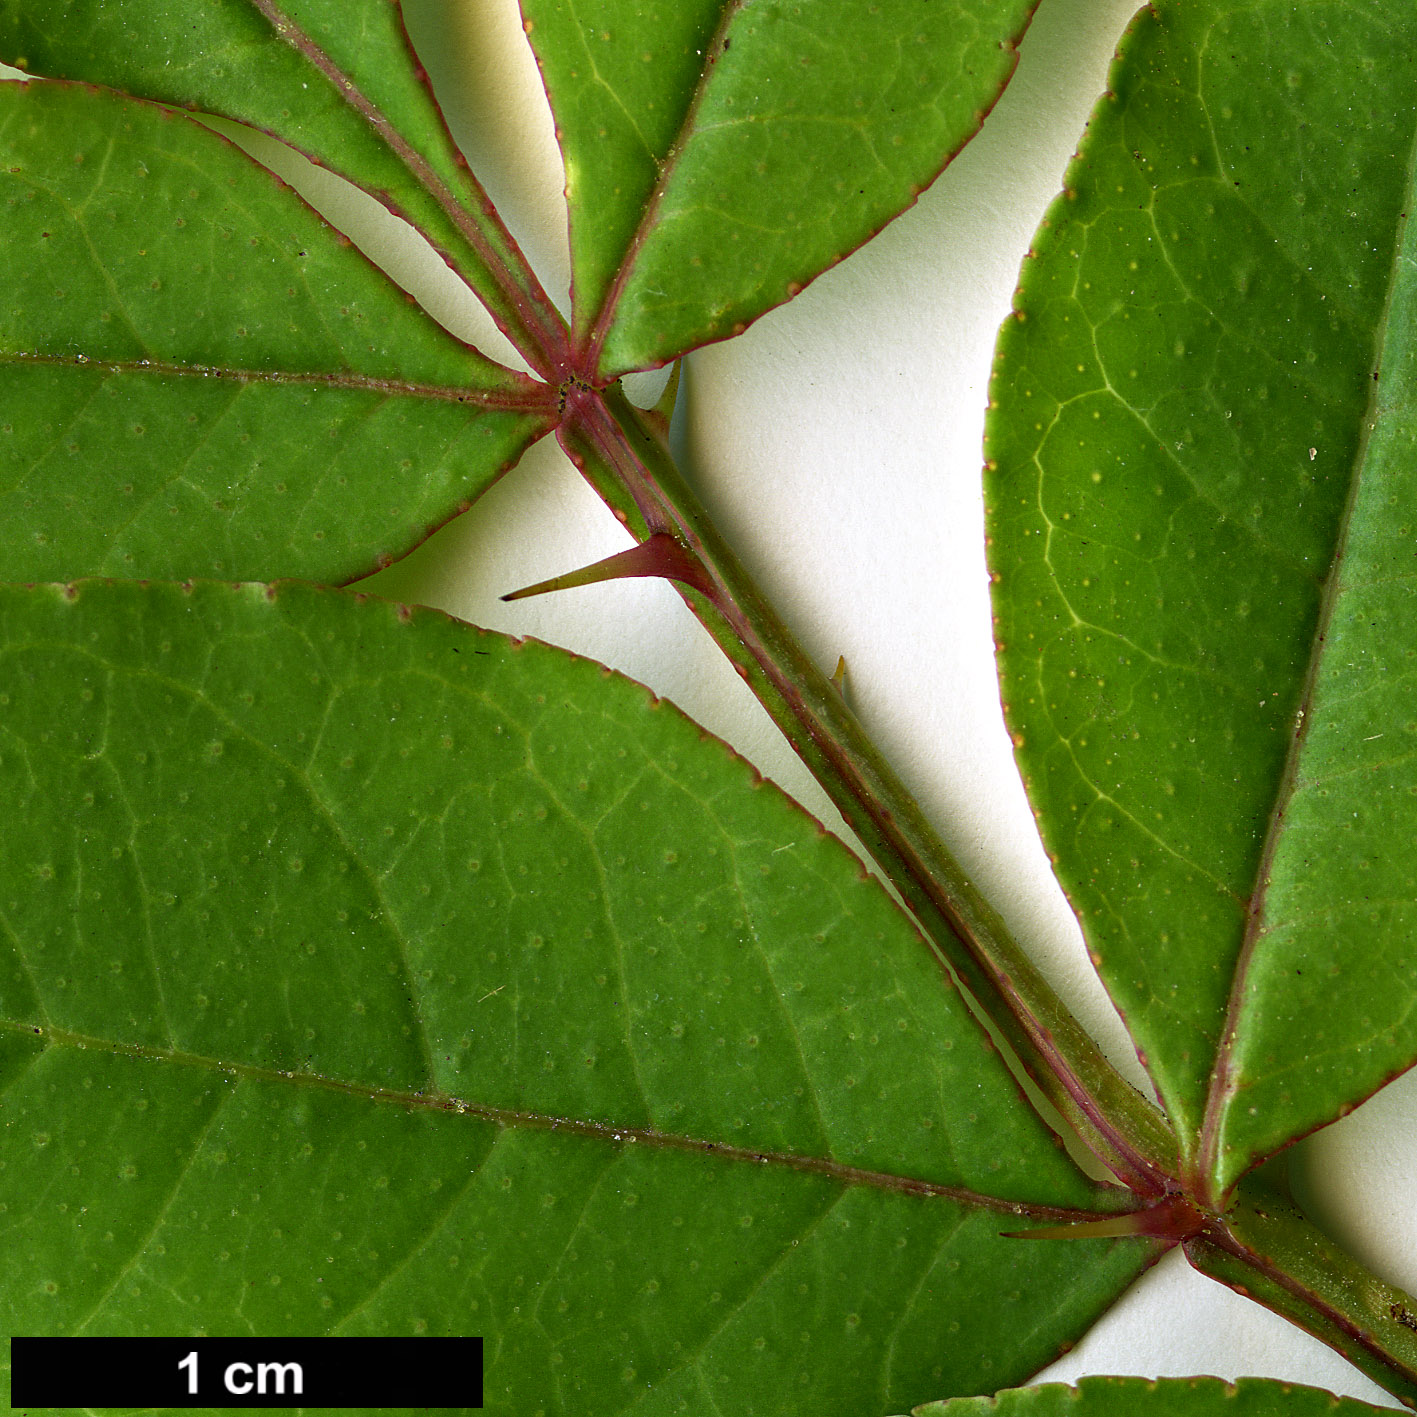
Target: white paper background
(837,443)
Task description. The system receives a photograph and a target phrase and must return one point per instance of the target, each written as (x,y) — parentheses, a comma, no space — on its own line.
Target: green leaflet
(365,972)
(199,377)
(1182,413)
(1164,1397)
(334,78)
(720,155)
(1334,944)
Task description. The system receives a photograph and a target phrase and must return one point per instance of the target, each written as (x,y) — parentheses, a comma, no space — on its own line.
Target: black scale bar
(246,1372)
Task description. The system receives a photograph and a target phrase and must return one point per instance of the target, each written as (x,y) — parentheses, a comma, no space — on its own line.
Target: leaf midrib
(530,396)
(514,279)
(1224,1082)
(436,1100)
(600,326)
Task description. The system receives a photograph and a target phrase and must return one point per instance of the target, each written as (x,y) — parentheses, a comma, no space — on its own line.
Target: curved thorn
(662,555)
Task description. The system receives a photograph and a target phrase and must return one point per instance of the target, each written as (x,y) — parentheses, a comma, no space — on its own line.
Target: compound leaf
(720,155)
(1198,497)
(363,972)
(200,377)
